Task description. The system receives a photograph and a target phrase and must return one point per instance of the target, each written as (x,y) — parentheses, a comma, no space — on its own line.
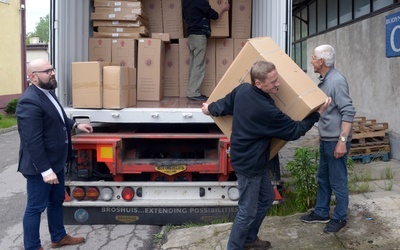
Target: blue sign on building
(393,35)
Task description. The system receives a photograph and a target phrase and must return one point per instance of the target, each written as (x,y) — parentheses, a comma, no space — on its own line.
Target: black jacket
(45,138)
(197,14)
(256,120)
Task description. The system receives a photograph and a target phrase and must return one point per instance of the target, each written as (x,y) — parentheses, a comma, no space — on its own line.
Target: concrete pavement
(374,220)
(374,216)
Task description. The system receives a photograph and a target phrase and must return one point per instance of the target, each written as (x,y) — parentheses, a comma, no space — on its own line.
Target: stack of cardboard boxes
(149,36)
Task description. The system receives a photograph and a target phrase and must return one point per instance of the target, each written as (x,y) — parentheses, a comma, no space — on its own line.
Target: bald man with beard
(45,147)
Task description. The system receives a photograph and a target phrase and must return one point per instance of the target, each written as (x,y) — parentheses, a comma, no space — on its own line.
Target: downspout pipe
(24,83)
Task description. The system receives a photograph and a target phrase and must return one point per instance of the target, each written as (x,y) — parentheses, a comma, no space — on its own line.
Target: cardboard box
(172,18)
(184,63)
(87,84)
(154,12)
(140,30)
(165,37)
(219,27)
(132,93)
(116,35)
(297,97)
(120,16)
(241,18)
(117,23)
(238,44)
(121,10)
(115,87)
(171,70)
(116,4)
(124,52)
(151,57)
(208,84)
(223,56)
(100,49)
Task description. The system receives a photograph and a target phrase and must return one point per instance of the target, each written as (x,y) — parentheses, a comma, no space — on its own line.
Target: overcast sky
(35,9)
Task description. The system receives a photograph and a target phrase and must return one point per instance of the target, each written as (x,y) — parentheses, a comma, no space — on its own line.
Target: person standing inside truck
(256,120)
(335,127)
(197,15)
(45,147)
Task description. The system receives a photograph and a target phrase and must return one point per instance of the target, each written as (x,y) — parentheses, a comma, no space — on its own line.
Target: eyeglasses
(47,71)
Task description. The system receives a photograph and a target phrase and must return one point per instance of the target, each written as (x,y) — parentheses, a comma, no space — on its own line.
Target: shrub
(11,107)
(303,169)
(1,116)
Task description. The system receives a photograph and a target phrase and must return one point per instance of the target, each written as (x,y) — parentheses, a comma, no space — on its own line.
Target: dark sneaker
(314,218)
(198,98)
(334,226)
(258,245)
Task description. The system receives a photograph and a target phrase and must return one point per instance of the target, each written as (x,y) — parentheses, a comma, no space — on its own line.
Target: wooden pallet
(368,158)
(369,149)
(367,128)
(370,141)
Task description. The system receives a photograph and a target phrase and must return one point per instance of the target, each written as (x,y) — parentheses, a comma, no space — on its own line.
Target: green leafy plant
(303,169)
(11,107)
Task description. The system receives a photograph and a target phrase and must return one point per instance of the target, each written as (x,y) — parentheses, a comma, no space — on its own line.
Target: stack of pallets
(369,140)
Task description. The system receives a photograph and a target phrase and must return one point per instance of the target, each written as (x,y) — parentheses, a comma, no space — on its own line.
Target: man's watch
(343,138)
(75,125)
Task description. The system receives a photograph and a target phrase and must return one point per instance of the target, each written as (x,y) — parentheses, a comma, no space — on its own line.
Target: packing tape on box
(114,86)
(300,96)
(80,85)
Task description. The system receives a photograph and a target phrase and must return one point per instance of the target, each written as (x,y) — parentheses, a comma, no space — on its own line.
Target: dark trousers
(42,196)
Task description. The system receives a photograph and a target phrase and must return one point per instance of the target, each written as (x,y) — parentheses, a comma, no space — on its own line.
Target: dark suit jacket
(45,138)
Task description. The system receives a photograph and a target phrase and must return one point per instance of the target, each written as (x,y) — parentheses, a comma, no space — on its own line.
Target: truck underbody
(152,172)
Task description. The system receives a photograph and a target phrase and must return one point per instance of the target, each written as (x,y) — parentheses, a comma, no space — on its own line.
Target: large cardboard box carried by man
(298,95)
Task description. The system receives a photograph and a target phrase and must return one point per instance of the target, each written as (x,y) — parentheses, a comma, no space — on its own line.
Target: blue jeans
(332,176)
(256,197)
(41,196)
(197,66)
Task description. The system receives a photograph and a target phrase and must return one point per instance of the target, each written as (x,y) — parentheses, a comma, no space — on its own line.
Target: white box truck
(158,162)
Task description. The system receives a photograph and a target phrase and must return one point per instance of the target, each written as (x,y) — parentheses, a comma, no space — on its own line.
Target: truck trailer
(158,162)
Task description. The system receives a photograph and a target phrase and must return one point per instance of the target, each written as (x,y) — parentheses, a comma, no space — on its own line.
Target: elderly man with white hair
(335,131)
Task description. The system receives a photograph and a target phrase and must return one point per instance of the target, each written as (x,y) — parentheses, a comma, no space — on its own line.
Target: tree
(41,30)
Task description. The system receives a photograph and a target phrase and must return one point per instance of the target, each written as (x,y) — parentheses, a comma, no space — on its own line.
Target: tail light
(233,193)
(79,193)
(106,194)
(128,193)
(92,193)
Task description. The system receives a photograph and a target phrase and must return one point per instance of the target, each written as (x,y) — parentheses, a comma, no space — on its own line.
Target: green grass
(287,207)
(387,174)
(7,121)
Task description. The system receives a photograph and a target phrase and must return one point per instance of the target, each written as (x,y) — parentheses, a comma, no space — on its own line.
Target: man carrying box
(256,120)
(197,15)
